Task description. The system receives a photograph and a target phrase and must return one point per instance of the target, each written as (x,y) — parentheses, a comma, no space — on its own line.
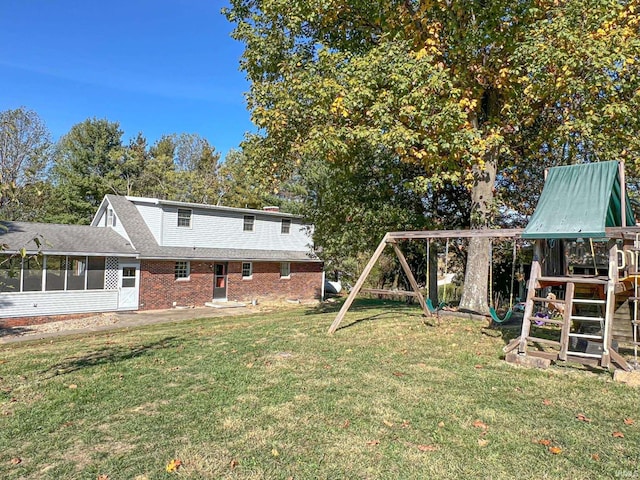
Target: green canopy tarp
(579,201)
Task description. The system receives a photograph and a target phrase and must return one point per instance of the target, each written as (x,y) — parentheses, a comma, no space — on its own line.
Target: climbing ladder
(584,320)
(635,299)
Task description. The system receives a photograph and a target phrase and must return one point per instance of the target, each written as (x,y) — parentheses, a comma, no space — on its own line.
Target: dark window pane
(10,273)
(32,272)
(76,272)
(128,277)
(55,273)
(95,273)
(184,217)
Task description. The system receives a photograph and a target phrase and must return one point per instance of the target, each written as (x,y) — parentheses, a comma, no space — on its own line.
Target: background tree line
(65,181)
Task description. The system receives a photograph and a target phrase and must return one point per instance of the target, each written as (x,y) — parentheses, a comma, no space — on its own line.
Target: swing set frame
(392,238)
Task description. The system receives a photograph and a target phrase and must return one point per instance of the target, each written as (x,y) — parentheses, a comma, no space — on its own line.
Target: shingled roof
(56,239)
(145,243)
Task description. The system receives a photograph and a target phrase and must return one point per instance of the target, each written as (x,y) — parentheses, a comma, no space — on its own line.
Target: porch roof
(56,239)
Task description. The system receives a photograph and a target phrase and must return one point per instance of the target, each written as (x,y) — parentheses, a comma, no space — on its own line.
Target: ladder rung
(543,340)
(583,354)
(579,280)
(584,335)
(547,300)
(589,301)
(587,319)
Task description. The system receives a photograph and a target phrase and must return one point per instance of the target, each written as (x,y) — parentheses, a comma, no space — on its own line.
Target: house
(146,254)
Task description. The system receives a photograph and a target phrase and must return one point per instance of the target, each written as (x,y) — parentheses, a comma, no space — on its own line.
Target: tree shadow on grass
(362,304)
(15,331)
(107,355)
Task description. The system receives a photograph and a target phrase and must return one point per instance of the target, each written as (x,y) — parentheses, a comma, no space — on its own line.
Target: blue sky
(155,66)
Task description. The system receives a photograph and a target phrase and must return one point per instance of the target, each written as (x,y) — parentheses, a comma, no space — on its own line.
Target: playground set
(583,292)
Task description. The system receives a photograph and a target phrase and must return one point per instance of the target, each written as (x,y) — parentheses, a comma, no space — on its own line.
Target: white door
(129,286)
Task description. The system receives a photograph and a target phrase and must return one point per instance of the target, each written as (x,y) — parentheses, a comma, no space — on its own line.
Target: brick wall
(159,289)
(305,282)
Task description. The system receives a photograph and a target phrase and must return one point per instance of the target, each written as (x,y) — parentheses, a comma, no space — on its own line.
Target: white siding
(102,222)
(152,215)
(222,229)
(32,304)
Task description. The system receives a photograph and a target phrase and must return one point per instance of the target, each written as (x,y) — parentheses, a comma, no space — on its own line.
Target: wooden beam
(611,232)
(566,320)
(412,280)
(354,291)
(531,293)
(611,304)
(511,345)
(488,233)
(380,291)
(620,361)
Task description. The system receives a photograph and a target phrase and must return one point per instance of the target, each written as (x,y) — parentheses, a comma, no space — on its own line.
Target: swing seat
(433,309)
(497,319)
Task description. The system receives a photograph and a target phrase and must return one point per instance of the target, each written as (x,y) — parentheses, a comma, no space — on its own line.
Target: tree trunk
(476,279)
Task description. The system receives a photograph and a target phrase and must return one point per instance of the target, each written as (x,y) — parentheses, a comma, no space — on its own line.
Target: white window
(184,217)
(285,270)
(249,220)
(182,270)
(247,270)
(111,218)
(285,227)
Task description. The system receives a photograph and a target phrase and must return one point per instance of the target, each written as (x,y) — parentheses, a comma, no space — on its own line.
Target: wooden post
(412,280)
(611,304)
(354,291)
(566,320)
(531,292)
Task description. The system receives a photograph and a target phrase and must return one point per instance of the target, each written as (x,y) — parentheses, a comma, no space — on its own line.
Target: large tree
(467,91)
(88,165)
(25,153)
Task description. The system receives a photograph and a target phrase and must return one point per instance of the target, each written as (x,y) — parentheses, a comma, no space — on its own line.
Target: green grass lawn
(271,396)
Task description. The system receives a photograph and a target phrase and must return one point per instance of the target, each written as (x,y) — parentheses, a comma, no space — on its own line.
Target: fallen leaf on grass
(275,452)
(544,442)
(103,477)
(427,448)
(405,424)
(555,450)
(483,442)
(174,465)
(480,424)
(595,457)
(250,365)
(440,424)
(398,374)
(582,417)
(16,460)
(546,402)
(234,463)
(373,442)
(346,424)
(73,386)
(617,435)
(628,421)
(387,423)
(478,366)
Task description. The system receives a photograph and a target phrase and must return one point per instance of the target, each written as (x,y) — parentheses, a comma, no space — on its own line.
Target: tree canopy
(471,93)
